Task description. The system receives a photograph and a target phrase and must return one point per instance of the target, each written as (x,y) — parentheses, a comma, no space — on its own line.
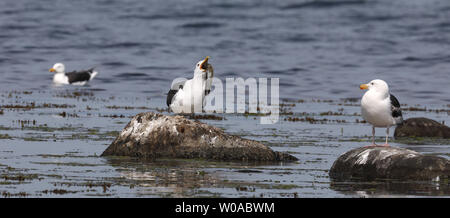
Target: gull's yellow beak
(51,70)
(363,86)
(204,65)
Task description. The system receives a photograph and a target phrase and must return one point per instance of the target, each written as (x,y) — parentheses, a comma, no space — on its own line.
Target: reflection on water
(392,188)
(168,178)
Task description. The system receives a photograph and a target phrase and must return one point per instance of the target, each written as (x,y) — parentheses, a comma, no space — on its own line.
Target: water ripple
(202,25)
(322,4)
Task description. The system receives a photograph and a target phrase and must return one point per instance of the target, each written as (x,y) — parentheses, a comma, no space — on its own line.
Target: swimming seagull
(189,96)
(75,77)
(379,107)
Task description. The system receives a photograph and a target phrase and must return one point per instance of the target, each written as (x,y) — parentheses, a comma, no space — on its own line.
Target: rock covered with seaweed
(422,127)
(381,162)
(152,135)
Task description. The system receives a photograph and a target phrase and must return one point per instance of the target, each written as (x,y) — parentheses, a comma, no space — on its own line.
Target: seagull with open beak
(188,97)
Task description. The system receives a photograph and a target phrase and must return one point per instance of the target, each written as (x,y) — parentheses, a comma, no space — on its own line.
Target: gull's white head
(58,68)
(377,85)
(203,67)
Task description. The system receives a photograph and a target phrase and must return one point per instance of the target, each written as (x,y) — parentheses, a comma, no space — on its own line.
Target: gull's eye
(198,65)
(371,83)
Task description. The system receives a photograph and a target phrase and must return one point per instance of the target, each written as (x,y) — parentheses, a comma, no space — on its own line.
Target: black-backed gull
(379,107)
(188,96)
(74,77)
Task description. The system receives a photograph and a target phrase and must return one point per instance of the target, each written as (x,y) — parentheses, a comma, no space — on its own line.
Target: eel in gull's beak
(204,65)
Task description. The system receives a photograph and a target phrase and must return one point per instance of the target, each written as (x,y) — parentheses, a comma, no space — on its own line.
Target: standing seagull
(75,77)
(189,96)
(379,107)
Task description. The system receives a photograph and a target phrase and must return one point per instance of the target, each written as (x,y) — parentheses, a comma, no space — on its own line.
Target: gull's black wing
(173,91)
(170,95)
(79,76)
(395,108)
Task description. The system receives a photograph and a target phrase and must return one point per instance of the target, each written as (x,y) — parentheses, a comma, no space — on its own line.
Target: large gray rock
(152,135)
(380,162)
(422,127)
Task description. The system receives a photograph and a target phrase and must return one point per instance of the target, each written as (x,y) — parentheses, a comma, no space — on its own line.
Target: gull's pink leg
(387,137)
(373,138)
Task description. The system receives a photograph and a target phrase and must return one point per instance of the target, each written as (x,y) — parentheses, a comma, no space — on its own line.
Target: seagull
(379,107)
(191,93)
(75,77)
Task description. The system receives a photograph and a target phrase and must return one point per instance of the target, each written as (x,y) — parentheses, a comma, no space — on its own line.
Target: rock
(422,127)
(379,162)
(152,135)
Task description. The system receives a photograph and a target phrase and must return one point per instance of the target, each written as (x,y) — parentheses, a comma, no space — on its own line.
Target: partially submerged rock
(152,135)
(422,127)
(380,162)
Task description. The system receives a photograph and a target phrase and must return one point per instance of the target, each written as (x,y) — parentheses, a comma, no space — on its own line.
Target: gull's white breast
(187,97)
(60,78)
(376,111)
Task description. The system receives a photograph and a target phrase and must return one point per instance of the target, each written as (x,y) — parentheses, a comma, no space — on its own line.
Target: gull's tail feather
(92,72)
